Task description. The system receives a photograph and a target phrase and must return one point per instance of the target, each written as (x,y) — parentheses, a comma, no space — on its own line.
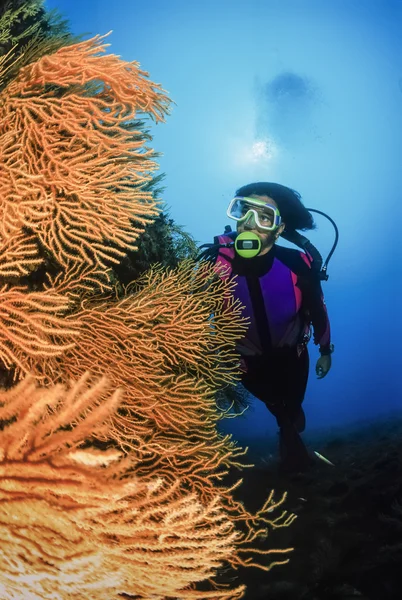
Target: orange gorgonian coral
(161,345)
(19,255)
(30,322)
(71,172)
(72,525)
(146,517)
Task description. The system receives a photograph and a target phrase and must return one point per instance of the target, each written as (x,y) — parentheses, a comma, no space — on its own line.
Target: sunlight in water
(261,150)
(256,152)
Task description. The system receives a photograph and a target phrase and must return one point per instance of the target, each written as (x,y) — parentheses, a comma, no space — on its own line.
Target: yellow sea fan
(19,256)
(72,525)
(71,172)
(29,324)
(169,417)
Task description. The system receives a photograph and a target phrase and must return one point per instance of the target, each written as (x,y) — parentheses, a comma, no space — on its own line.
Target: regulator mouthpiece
(247,244)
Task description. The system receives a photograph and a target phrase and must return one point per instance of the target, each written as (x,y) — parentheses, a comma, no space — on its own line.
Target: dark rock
(337,489)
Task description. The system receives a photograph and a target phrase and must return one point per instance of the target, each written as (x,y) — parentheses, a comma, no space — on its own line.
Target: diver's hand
(323,366)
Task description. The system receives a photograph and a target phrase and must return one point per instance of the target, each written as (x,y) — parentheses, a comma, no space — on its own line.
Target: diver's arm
(313,304)
(317,309)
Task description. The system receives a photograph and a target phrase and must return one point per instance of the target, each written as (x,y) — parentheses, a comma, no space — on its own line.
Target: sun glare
(257,152)
(263,150)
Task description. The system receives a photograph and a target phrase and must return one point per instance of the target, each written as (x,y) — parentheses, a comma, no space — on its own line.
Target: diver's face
(267,238)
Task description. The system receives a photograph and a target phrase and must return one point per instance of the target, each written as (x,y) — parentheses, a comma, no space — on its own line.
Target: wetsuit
(282,297)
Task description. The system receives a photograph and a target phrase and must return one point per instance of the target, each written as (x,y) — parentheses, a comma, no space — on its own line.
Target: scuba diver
(280,289)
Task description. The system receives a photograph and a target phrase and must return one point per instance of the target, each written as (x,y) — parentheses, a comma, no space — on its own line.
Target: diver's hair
(293,212)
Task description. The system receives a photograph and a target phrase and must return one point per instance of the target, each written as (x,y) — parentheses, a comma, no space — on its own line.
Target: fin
(321,457)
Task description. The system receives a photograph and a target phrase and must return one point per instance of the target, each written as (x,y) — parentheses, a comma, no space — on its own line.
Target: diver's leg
(280,382)
(256,379)
(291,420)
(300,421)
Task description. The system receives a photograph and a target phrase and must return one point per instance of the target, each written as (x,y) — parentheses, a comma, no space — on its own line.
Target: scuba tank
(248,245)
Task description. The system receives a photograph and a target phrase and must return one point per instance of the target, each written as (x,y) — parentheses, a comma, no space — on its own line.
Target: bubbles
(256,152)
(264,150)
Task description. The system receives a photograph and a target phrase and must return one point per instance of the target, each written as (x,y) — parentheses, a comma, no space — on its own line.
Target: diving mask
(266,216)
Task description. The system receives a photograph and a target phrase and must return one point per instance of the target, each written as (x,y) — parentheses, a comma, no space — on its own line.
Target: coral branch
(72,524)
(29,324)
(19,256)
(161,345)
(71,172)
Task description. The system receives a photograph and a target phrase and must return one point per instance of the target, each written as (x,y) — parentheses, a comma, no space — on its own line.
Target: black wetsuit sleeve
(314,305)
